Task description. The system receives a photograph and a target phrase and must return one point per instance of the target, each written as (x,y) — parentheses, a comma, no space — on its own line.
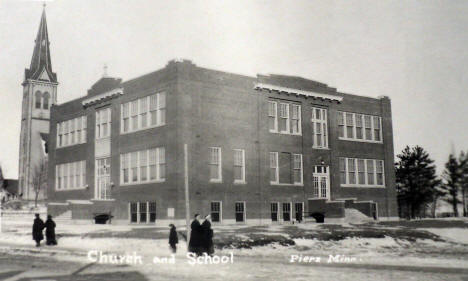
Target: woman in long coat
(195,242)
(207,236)
(50,231)
(37,229)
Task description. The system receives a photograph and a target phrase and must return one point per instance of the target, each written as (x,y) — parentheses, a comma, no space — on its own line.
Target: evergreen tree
(416,179)
(464,181)
(453,179)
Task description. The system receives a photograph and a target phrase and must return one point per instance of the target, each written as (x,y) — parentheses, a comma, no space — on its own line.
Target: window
(368,127)
(134,115)
(38,97)
(134,212)
(143,166)
(142,212)
(284,118)
(286,211)
(370,171)
(215,164)
(359,134)
(351,171)
(341,126)
(152,211)
(103,123)
(273,116)
(297,168)
(216,211)
(274,170)
(291,171)
(361,172)
(360,127)
(125,117)
(319,128)
(299,210)
(45,102)
(349,125)
(143,113)
(70,176)
(239,166)
(274,211)
(376,128)
(343,171)
(380,172)
(240,211)
(296,119)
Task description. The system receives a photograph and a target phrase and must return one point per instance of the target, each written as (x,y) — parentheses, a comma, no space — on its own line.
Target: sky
(415,52)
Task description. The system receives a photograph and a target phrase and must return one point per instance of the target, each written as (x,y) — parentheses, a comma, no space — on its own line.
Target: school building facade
(263,149)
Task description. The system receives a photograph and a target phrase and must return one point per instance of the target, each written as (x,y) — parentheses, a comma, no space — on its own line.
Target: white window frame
(354,138)
(69,171)
(98,132)
(323,125)
(323,174)
(210,163)
(278,213)
(242,165)
(245,211)
(301,169)
(356,173)
(299,119)
(220,210)
(287,118)
(127,158)
(274,115)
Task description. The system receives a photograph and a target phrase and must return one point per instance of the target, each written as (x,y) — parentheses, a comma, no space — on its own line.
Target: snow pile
(355,216)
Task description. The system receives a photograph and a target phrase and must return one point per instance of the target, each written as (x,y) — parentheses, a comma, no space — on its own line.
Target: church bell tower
(39,94)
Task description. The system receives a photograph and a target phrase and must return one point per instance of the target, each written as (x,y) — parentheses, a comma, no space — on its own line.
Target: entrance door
(321,183)
(103,191)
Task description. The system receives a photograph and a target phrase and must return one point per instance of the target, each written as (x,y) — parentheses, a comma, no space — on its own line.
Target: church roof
(41,65)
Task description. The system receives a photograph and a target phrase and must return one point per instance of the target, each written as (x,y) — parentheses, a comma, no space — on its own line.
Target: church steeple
(41,65)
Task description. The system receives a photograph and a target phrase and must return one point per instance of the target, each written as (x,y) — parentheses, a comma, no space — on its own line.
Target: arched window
(38,96)
(45,103)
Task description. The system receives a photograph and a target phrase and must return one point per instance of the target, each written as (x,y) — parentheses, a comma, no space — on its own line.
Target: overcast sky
(415,52)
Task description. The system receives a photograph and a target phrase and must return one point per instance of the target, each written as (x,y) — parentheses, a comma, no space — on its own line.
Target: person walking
(173,238)
(50,231)
(195,236)
(208,247)
(38,227)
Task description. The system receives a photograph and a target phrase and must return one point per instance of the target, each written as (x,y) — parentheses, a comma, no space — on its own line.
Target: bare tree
(39,179)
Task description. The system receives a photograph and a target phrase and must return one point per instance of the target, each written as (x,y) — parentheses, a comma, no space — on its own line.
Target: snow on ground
(459,235)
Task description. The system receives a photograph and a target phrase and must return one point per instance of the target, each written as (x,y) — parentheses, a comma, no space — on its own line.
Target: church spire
(41,65)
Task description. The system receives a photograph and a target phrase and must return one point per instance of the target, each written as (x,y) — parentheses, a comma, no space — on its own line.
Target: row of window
(361,127)
(145,212)
(143,166)
(71,132)
(42,100)
(352,126)
(143,113)
(70,175)
(361,172)
(285,123)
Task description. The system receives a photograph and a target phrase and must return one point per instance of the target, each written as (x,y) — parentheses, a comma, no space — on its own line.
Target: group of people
(38,228)
(201,237)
